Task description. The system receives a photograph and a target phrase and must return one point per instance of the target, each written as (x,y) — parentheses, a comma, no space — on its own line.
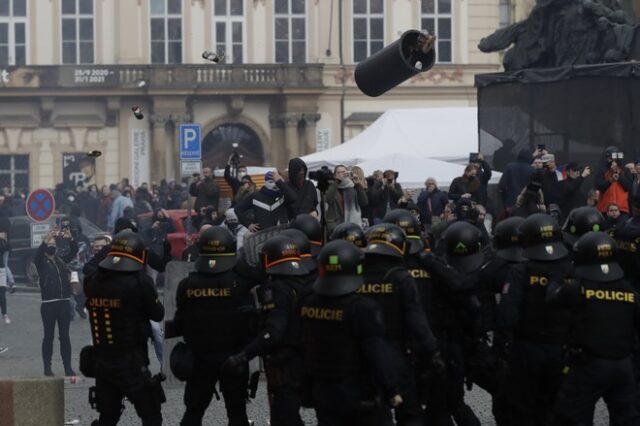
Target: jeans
(52,313)
(10,280)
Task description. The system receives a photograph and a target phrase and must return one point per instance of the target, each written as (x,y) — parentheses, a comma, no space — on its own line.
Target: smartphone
(542,147)
(473,157)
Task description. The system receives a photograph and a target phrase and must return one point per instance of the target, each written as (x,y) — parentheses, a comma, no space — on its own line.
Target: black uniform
(606,322)
(344,348)
(444,300)
(213,315)
(539,331)
(394,289)
(120,305)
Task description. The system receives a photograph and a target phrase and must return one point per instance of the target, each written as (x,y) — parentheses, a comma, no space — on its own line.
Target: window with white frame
(166,32)
(368,28)
(14,172)
(505,13)
(290,31)
(437,19)
(77,32)
(13,32)
(228,21)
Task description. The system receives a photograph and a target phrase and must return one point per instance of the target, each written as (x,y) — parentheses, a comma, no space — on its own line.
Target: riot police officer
(121,299)
(279,339)
(628,239)
(387,281)
(580,221)
(538,329)
(312,228)
(607,318)
(213,306)
(302,241)
(343,344)
(351,232)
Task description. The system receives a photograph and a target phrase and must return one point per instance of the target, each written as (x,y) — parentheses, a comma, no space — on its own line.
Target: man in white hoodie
(237,229)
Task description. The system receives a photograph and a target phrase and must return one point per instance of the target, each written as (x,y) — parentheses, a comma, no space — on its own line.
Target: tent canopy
(439,133)
(417,143)
(412,171)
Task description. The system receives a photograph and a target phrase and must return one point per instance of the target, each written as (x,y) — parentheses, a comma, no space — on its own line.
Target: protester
(431,201)
(573,196)
(204,189)
(265,208)
(345,200)
(516,176)
(613,181)
(119,204)
(300,194)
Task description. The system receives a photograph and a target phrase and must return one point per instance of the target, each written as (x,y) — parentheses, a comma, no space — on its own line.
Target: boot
(48,372)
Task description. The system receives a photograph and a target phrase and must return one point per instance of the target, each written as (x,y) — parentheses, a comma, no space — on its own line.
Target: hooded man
(234,226)
(516,176)
(267,206)
(300,193)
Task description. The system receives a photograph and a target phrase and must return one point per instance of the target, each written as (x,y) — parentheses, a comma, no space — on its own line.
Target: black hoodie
(298,199)
(515,177)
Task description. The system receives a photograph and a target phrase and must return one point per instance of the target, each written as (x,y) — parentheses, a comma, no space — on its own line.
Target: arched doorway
(217,146)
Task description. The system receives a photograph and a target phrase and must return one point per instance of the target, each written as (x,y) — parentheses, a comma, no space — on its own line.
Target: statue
(567,32)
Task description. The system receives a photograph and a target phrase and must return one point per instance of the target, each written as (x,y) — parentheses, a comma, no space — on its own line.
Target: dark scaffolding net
(576,112)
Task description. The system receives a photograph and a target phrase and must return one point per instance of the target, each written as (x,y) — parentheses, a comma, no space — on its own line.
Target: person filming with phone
(614,182)
(473,182)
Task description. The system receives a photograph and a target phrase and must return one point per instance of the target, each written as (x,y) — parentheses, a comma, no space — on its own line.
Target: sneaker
(7,320)
(68,372)
(3,349)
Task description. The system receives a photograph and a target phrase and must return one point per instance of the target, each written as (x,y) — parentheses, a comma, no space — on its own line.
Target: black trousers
(528,393)
(590,379)
(347,403)
(52,313)
(199,391)
(3,300)
(284,387)
(444,396)
(120,375)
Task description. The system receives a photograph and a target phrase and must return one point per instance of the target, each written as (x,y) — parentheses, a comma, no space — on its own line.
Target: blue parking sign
(190,146)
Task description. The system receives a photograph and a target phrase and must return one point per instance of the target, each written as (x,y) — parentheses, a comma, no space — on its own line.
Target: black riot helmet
(281,256)
(580,221)
(463,246)
(339,269)
(126,254)
(386,239)
(595,258)
(302,241)
(217,250)
(350,232)
(506,239)
(410,225)
(542,238)
(310,226)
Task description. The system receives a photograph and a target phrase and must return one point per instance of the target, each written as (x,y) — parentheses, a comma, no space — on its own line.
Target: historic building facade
(70,71)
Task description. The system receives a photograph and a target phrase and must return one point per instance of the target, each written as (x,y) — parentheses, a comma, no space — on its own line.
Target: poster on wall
(139,157)
(78,169)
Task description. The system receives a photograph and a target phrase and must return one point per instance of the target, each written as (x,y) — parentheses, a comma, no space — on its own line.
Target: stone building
(70,71)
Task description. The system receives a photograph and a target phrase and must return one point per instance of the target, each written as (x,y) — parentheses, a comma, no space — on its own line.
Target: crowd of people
(382,304)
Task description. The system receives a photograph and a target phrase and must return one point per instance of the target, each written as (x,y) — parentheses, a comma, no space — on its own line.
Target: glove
(436,363)
(234,362)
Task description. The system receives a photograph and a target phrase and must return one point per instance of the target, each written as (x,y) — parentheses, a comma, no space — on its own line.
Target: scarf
(351,207)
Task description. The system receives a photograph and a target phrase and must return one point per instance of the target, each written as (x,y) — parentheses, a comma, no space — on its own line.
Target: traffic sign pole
(190,151)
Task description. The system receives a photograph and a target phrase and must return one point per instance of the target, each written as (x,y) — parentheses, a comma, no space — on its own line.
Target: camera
(323,176)
(542,146)
(535,184)
(617,155)
(235,156)
(474,157)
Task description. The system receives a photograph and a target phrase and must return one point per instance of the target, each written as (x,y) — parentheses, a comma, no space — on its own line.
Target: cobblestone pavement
(24,336)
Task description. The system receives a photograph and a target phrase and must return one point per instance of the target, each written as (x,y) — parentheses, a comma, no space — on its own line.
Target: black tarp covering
(575,111)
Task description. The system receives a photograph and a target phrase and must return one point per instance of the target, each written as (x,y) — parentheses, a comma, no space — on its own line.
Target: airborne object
(137,112)
(94,153)
(411,54)
(216,57)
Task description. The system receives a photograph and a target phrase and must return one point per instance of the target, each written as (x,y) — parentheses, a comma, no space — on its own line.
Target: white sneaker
(7,320)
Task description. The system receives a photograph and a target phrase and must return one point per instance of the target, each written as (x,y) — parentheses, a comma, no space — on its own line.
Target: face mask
(50,250)
(241,175)
(270,185)
(232,225)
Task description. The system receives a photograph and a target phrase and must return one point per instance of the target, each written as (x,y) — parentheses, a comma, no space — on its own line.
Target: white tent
(440,133)
(413,171)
